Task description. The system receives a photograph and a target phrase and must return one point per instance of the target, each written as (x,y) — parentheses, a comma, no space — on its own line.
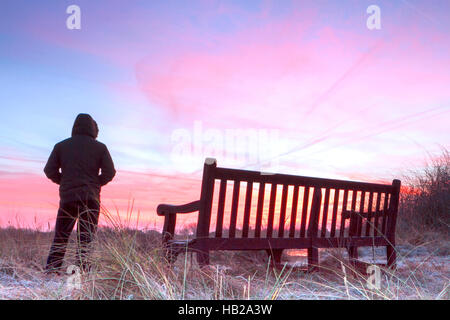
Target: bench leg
(391,257)
(353,254)
(172,250)
(275,256)
(167,235)
(203,258)
(170,254)
(313,259)
(353,260)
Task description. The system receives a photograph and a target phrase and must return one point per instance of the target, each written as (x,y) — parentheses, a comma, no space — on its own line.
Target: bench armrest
(164,209)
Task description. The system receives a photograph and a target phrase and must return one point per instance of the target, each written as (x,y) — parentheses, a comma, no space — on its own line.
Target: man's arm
(107,167)
(51,169)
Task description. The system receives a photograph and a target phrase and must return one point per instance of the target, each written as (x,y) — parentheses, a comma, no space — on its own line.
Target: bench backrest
(287,206)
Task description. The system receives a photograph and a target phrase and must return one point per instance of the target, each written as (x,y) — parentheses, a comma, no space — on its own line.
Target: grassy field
(129,264)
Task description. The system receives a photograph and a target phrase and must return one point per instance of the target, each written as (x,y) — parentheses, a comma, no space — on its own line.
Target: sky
(298,87)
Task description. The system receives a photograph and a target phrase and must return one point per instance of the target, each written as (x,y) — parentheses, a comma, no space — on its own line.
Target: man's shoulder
(63,142)
(67,142)
(100,145)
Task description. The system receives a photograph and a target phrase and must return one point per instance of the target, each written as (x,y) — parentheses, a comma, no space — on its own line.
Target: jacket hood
(85,125)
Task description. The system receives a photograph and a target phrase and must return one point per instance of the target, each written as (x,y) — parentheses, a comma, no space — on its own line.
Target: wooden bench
(275,212)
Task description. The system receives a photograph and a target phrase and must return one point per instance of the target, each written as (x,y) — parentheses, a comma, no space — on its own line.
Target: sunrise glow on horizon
(296,87)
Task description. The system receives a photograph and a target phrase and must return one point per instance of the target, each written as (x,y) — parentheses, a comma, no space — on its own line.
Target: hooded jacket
(80,165)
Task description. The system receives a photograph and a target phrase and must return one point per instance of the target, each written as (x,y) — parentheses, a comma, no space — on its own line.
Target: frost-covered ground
(422,273)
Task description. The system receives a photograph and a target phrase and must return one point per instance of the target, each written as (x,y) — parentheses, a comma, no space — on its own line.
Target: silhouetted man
(81,166)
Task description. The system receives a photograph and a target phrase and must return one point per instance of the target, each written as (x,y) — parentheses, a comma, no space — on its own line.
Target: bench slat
(273,196)
(344,208)
(234,208)
(283,212)
(325,213)
(362,203)
(305,202)
(353,217)
(248,203)
(377,208)
(385,209)
(221,207)
(256,176)
(359,214)
(369,215)
(259,210)
(313,224)
(294,212)
(335,209)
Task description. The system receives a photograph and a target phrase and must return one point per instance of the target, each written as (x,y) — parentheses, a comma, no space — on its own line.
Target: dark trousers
(86,213)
